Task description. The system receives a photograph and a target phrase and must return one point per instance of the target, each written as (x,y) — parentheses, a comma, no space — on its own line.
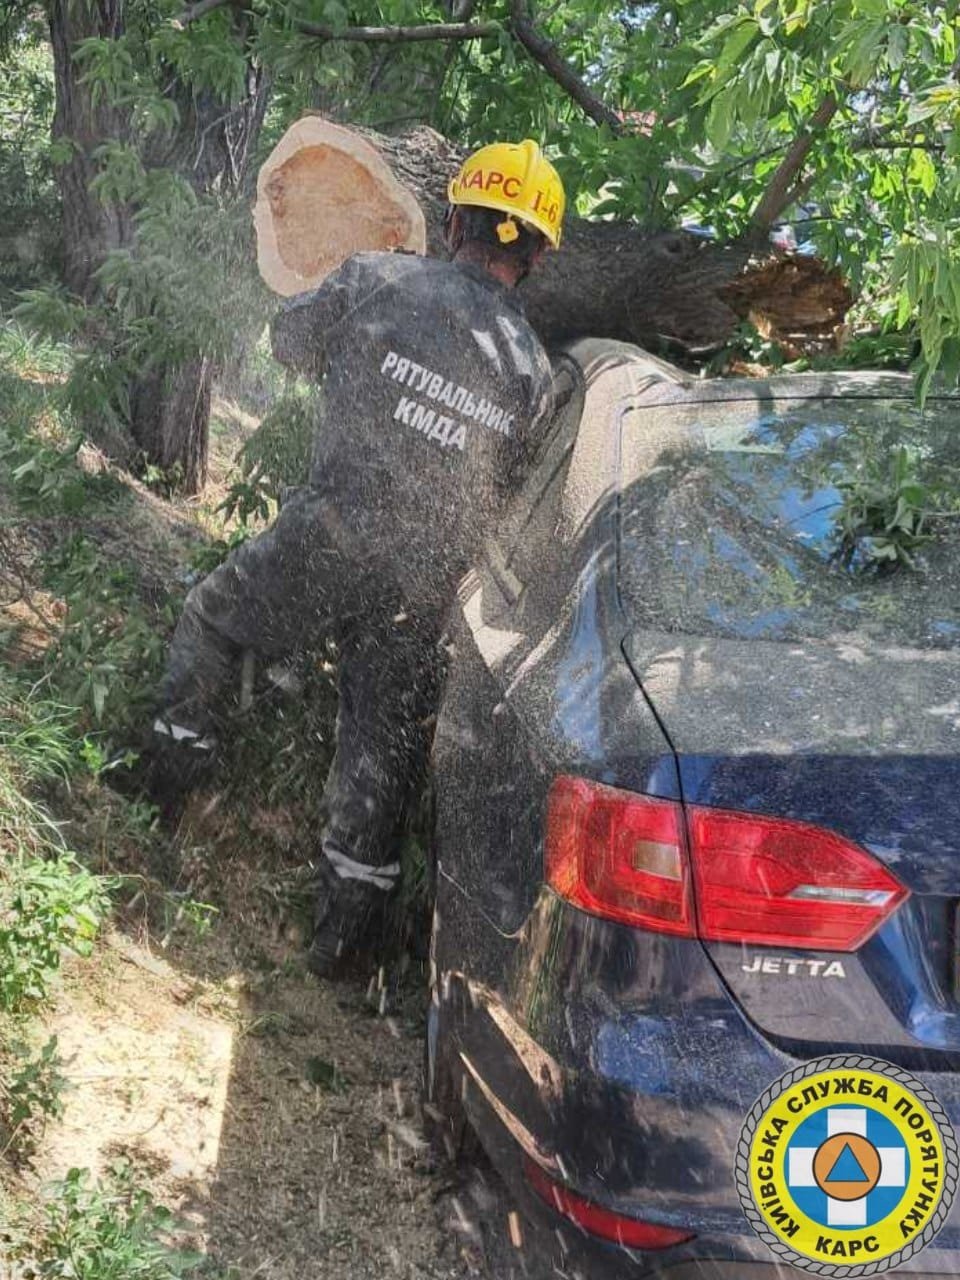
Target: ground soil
(278,1115)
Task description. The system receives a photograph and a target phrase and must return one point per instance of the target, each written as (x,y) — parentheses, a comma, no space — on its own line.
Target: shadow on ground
(279,1115)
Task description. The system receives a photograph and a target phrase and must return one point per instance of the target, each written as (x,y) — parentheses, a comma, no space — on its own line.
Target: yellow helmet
(517,179)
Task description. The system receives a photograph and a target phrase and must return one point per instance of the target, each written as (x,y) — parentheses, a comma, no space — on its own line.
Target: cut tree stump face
(323,195)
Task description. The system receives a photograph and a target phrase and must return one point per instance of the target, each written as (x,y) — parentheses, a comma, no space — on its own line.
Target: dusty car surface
(698,779)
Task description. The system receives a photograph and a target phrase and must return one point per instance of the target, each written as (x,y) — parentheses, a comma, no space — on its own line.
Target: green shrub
(210,555)
(31,1093)
(38,442)
(47,906)
(44,478)
(276,456)
(109,655)
(111,1230)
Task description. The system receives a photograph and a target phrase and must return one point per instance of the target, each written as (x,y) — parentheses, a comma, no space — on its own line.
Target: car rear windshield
(794,519)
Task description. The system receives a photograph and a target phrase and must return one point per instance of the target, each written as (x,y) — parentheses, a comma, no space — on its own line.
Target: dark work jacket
(435,393)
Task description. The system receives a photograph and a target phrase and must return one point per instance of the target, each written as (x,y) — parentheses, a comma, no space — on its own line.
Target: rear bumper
(714,1254)
(706,1270)
(617,1061)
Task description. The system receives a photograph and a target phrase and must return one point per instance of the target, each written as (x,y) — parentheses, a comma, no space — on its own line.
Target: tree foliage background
(730,116)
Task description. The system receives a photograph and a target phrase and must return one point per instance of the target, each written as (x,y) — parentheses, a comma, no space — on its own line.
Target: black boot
(343,907)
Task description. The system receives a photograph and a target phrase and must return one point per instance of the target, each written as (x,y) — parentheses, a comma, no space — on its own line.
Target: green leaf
(897,43)
(864,51)
(702,69)
(720,119)
(100,692)
(922,171)
(737,44)
(325,1075)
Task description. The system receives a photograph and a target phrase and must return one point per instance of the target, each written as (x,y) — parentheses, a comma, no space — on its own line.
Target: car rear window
(739,519)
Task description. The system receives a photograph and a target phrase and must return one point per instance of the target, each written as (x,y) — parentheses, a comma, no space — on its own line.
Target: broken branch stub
(323,194)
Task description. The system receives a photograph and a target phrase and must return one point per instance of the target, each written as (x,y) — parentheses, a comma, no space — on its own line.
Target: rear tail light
(618,855)
(604,1223)
(721,876)
(781,883)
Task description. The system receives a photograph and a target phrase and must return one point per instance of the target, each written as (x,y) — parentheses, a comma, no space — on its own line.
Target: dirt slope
(277,1114)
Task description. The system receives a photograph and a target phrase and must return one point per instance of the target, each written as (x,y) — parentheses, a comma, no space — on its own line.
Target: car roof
(650,381)
(845,385)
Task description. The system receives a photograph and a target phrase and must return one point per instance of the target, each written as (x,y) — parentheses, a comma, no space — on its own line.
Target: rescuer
(436,392)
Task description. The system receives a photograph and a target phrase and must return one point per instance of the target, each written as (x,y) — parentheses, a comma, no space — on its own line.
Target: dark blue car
(698,789)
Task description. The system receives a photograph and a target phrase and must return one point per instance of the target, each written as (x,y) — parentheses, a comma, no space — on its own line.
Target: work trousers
(306,579)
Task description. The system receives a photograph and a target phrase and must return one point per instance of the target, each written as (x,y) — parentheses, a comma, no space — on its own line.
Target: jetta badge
(794,968)
(847,1166)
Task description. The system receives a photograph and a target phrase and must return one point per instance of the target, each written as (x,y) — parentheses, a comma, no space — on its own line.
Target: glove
(178,759)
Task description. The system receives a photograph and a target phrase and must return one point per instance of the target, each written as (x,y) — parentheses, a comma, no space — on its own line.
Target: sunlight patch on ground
(149,1075)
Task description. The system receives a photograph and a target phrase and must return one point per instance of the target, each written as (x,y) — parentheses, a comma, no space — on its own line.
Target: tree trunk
(211,148)
(170,407)
(609,280)
(170,415)
(90,228)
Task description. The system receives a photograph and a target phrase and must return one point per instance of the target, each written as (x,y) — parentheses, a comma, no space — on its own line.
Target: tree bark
(609,279)
(211,149)
(170,412)
(90,228)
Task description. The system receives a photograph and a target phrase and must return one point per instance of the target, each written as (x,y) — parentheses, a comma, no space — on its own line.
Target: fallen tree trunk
(798,301)
(324,193)
(320,196)
(609,279)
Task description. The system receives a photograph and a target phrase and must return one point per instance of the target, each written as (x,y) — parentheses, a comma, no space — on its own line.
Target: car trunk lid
(768,729)
(795,678)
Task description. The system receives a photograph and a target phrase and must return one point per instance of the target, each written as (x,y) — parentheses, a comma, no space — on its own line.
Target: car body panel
(622,1060)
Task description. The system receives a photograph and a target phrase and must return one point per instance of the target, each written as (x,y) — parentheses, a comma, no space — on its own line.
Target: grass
(107,1230)
(64,707)
(36,732)
(31,356)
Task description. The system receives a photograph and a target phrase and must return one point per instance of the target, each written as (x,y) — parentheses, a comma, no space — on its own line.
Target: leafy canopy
(713,97)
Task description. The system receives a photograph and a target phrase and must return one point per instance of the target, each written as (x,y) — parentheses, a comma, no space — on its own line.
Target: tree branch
(545,52)
(365,35)
(780,194)
(402,35)
(899,145)
(800,189)
(540,47)
(200,10)
(715,176)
